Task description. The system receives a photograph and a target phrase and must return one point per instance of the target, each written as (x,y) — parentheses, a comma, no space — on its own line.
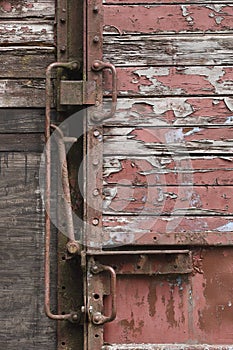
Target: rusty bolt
(96,39)
(96,192)
(95,269)
(95,162)
(96,65)
(97,317)
(96,133)
(75,317)
(63,49)
(95,9)
(95,222)
(72,247)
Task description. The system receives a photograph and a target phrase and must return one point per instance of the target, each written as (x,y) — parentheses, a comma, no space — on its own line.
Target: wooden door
(159,206)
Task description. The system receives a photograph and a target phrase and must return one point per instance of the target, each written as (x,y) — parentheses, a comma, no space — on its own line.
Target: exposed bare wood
(26,33)
(154,230)
(167,18)
(152,141)
(24,62)
(139,50)
(156,171)
(173,111)
(172,81)
(21,142)
(27,8)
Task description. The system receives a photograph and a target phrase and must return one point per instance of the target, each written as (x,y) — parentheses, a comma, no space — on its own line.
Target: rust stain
(152,298)
(170,309)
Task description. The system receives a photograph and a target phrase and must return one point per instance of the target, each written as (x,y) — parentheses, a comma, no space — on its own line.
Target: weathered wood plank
(172,111)
(163,200)
(158,50)
(155,171)
(24,62)
(152,141)
(173,230)
(182,18)
(22,322)
(22,120)
(171,81)
(27,8)
(26,33)
(22,93)
(21,142)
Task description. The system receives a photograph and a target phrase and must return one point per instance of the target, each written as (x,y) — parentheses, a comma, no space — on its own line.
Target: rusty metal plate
(77,92)
(166,347)
(156,263)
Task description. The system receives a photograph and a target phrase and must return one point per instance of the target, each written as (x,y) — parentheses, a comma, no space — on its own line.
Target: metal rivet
(96,39)
(75,317)
(96,192)
(96,133)
(95,162)
(63,49)
(95,9)
(95,222)
(62,20)
(97,103)
(63,10)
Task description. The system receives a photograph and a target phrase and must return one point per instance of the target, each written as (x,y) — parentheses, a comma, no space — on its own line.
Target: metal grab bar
(97,318)
(72,316)
(97,66)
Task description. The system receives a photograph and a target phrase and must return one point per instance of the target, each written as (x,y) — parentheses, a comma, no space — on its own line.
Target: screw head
(96,39)
(95,222)
(96,192)
(96,133)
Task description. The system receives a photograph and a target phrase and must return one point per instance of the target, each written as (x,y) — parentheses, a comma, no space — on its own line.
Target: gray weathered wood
(158,50)
(21,142)
(22,323)
(24,62)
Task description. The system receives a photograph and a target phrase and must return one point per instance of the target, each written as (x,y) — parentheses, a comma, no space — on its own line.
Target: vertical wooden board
(182,18)
(22,322)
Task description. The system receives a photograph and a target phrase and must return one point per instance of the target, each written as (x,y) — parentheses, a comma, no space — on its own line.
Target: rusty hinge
(76,92)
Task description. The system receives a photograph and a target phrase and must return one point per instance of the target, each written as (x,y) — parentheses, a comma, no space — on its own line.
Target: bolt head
(96,65)
(95,222)
(95,9)
(95,162)
(97,318)
(75,317)
(96,39)
(96,133)
(96,192)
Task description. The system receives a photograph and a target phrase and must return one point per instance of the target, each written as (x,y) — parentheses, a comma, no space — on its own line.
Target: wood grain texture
(158,50)
(22,93)
(21,142)
(171,81)
(21,120)
(24,62)
(27,8)
(169,171)
(161,230)
(170,19)
(152,141)
(22,322)
(26,33)
(164,200)
(172,111)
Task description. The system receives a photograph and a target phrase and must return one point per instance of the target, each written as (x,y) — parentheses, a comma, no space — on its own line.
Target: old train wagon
(116,175)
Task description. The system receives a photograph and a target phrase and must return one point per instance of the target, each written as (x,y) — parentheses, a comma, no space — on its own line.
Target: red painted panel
(147,171)
(167,19)
(168,200)
(192,310)
(172,81)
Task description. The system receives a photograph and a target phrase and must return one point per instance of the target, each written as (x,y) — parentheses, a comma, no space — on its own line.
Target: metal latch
(76,92)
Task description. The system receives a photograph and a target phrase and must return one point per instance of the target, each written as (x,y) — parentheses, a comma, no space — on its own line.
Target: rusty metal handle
(97,66)
(72,316)
(97,318)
